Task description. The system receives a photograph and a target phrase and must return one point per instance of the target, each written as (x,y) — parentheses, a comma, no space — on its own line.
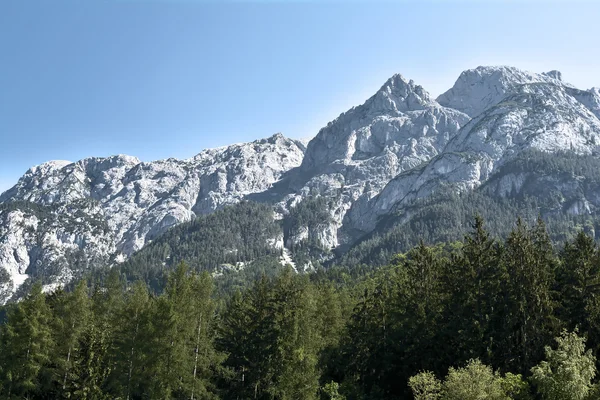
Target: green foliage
(554,183)
(331,391)
(567,372)
(341,333)
(425,386)
(239,233)
(27,345)
(312,214)
(475,381)
(274,335)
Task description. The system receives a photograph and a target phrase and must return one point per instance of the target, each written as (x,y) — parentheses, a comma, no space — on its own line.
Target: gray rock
(375,159)
(136,200)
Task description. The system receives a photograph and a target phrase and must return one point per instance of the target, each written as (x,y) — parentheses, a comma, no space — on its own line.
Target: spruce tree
(131,347)
(72,316)
(527,307)
(298,339)
(472,280)
(249,337)
(173,324)
(579,287)
(27,345)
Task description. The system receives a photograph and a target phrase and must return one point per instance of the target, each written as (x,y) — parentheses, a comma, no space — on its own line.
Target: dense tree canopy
(477,318)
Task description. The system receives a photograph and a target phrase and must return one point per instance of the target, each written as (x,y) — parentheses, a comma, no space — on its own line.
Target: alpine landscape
(418,246)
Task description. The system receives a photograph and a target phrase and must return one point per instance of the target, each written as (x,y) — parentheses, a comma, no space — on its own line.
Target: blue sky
(159,79)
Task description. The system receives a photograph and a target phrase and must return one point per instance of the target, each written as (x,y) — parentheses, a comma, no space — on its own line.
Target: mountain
(107,208)
(398,128)
(480,88)
(533,116)
(561,187)
(501,141)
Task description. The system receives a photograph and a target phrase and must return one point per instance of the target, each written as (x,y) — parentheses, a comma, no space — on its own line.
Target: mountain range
(499,132)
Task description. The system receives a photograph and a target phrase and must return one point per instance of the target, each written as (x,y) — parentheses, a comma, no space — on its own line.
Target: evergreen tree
(72,315)
(579,287)
(298,339)
(527,306)
(249,339)
(131,344)
(207,360)
(173,326)
(473,281)
(26,347)
(98,340)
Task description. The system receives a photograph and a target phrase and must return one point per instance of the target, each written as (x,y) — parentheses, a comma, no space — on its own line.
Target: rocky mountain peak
(554,74)
(399,146)
(542,115)
(112,206)
(400,95)
(478,89)
(395,119)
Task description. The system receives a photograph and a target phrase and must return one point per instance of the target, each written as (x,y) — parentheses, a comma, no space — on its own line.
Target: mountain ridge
(377,158)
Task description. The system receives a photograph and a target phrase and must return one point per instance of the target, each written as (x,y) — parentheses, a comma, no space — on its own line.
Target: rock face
(531,116)
(57,242)
(478,89)
(137,201)
(398,128)
(401,145)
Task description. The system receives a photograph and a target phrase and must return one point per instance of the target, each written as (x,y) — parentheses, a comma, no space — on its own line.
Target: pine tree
(131,344)
(298,341)
(206,359)
(97,343)
(527,304)
(72,317)
(249,337)
(579,287)
(368,348)
(472,280)
(173,324)
(27,345)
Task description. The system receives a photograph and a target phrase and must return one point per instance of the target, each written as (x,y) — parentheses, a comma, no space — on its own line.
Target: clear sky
(168,78)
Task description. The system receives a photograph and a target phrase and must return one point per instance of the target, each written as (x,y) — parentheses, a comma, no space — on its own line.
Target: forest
(472,319)
(551,183)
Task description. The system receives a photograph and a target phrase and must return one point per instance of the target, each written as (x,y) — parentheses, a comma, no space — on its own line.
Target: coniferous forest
(478,318)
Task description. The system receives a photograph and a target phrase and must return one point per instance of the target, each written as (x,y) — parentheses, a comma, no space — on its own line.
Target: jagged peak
(117,159)
(277,139)
(398,95)
(479,88)
(52,164)
(508,75)
(397,81)
(399,86)
(277,136)
(554,74)
(274,139)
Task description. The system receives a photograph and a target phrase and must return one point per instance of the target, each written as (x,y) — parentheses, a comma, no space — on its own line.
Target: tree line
(550,184)
(474,319)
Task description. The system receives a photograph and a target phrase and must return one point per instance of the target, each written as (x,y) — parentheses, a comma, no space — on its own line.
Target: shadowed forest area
(472,319)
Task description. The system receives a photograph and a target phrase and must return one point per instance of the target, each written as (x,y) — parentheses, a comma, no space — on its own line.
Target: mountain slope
(230,238)
(355,155)
(137,201)
(478,89)
(563,188)
(396,162)
(538,116)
